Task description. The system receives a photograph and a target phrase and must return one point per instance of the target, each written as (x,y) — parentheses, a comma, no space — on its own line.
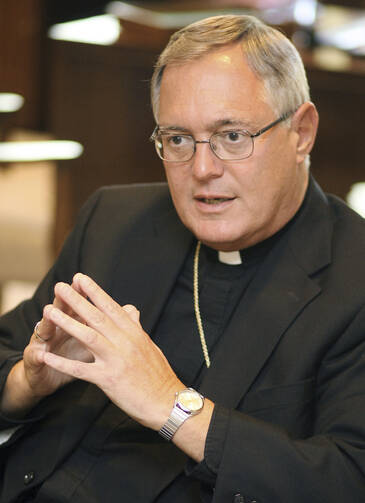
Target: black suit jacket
(288,375)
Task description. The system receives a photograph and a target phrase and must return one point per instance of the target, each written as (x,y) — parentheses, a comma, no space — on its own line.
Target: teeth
(214,201)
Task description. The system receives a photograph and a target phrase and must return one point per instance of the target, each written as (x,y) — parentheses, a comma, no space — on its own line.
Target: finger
(104,302)
(50,332)
(58,302)
(33,355)
(90,338)
(45,328)
(73,368)
(90,314)
(63,306)
(41,332)
(78,289)
(133,312)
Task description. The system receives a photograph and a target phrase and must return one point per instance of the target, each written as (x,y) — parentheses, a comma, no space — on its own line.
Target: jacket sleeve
(16,326)
(261,462)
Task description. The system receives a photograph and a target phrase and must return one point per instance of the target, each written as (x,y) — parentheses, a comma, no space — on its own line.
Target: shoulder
(347,245)
(328,239)
(148,190)
(116,205)
(136,197)
(326,220)
(348,227)
(115,218)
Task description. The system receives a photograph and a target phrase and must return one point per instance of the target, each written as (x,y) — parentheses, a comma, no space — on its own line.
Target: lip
(203,205)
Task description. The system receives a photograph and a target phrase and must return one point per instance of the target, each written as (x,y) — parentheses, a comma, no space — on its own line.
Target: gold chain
(196,305)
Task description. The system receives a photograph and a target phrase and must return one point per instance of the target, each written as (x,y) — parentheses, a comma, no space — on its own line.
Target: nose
(205,164)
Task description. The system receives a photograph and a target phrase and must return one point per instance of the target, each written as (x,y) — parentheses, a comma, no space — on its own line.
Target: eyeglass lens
(230,145)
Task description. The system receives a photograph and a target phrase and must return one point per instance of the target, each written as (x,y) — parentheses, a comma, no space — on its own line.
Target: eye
(230,137)
(233,136)
(176,140)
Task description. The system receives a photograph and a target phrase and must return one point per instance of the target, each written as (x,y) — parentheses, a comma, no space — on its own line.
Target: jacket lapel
(282,288)
(149,265)
(273,300)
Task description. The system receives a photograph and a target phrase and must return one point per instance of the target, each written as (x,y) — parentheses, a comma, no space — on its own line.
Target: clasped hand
(108,347)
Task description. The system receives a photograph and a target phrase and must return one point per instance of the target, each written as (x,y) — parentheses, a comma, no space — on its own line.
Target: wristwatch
(188,402)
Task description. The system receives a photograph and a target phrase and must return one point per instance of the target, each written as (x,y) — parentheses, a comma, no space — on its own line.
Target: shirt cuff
(5,435)
(207,469)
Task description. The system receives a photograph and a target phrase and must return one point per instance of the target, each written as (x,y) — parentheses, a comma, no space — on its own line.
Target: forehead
(217,86)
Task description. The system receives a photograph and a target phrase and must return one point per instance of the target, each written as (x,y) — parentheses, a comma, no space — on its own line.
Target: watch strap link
(176,419)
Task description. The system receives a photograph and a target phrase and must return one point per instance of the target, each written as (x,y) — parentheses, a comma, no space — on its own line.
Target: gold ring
(35,332)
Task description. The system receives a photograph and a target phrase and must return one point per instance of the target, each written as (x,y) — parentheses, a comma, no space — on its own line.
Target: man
(251,293)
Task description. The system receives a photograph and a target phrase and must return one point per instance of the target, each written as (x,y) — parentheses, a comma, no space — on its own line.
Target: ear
(305,123)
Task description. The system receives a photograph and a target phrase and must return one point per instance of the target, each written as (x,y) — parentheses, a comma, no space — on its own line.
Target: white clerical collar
(230,258)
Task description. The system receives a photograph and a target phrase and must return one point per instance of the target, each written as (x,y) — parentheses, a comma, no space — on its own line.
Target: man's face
(229,205)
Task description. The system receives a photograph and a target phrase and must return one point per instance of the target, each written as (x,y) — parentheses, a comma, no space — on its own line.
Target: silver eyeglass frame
(153,138)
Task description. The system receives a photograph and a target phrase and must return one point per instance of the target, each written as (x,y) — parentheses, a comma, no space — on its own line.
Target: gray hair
(269,53)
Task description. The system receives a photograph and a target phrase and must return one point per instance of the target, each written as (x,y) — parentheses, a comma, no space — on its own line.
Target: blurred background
(75,112)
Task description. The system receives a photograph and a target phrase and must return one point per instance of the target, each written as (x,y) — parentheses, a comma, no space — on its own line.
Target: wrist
(188,402)
(191,436)
(18,398)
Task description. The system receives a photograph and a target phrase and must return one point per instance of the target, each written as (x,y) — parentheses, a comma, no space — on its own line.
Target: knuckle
(46,310)
(61,288)
(75,298)
(77,370)
(110,381)
(68,294)
(97,317)
(91,338)
(112,307)
(112,377)
(130,308)
(77,277)
(91,285)
(27,352)
(132,312)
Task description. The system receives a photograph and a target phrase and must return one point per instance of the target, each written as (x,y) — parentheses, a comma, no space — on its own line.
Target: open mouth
(214,200)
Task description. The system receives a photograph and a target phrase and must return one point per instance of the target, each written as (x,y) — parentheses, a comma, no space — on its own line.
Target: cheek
(259,188)
(178,178)
(274,165)
(178,186)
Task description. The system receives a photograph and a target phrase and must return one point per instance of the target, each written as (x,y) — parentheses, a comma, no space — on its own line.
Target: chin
(221,242)
(220,235)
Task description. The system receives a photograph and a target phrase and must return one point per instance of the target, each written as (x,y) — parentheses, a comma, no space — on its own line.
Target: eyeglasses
(232,145)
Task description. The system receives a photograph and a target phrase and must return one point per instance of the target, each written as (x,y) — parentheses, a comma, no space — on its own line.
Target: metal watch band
(176,419)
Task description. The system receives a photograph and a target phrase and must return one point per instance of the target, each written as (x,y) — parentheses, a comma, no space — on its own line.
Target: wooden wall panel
(338,158)
(22,35)
(100,96)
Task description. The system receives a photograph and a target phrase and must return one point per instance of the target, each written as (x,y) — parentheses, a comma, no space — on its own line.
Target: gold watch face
(190,400)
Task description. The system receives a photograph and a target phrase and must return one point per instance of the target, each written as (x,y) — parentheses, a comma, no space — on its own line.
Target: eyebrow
(236,123)
(174,128)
